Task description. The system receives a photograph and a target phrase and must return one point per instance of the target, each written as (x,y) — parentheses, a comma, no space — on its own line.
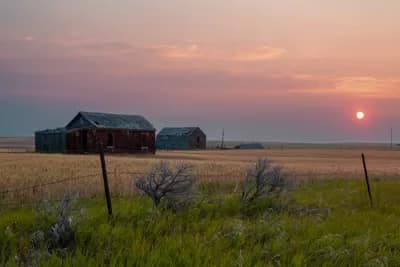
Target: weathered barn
(118,133)
(50,141)
(181,138)
(250,146)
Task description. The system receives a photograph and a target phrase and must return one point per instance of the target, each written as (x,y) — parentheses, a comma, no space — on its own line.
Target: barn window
(110,139)
(198,139)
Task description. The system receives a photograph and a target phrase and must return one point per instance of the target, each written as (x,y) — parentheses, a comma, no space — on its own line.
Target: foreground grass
(339,230)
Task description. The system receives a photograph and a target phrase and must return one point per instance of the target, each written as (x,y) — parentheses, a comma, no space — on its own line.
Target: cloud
(354,86)
(29,38)
(150,85)
(106,46)
(197,52)
(368,86)
(262,53)
(177,51)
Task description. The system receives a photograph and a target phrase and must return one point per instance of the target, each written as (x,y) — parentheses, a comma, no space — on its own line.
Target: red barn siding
(122,140)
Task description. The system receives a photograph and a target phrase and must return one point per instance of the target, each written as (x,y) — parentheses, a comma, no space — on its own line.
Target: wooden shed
(119,133)
(250,146)
(50,141)
(181,138)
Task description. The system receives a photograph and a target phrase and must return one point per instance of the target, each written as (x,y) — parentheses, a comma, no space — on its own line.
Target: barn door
(84,140)
(198,142)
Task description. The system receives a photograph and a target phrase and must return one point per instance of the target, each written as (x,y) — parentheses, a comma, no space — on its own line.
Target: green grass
(221,232)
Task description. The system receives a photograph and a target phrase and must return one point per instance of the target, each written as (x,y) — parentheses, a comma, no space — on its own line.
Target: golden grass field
(25,169)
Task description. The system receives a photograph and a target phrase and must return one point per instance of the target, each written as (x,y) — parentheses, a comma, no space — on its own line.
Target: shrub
(164,182)
(57,238)
(262,180)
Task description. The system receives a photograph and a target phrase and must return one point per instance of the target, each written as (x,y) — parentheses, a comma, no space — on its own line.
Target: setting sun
(360,115)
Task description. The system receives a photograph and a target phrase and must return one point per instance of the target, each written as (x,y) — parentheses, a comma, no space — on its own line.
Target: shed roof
(52,131)
(177,131)
(115,121)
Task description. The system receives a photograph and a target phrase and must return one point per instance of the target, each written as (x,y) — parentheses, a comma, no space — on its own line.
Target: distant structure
(181,138)
(119,134)
(50,141)
(250,146)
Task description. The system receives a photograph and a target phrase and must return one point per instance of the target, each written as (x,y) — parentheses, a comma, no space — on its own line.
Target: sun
(360,115)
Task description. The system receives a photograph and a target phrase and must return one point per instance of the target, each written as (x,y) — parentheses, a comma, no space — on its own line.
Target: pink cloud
(262,53)
(204,52)
(369,86)
(29,38)
(177,52)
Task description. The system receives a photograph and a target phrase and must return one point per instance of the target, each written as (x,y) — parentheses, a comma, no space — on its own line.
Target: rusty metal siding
(50,141)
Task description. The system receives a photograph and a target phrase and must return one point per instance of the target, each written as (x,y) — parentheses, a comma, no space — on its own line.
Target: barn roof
(115,121)
(178,131)
(51,131)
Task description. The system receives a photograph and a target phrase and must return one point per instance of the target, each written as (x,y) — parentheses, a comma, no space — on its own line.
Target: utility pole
(391,138)
(222,140)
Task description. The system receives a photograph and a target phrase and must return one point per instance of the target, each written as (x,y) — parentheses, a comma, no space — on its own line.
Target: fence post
(367,180)
(105,178)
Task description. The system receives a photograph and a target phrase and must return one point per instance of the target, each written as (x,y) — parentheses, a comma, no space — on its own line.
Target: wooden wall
(114,141)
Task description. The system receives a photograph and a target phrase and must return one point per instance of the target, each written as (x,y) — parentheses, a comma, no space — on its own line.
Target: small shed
(50,141)
(181,138)
(250,146)
(119,133)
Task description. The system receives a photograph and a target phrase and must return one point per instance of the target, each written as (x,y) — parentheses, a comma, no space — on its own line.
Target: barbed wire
(20,189)
(59,181)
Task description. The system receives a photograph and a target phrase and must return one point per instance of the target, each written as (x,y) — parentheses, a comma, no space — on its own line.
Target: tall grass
(19,170)
(218,232)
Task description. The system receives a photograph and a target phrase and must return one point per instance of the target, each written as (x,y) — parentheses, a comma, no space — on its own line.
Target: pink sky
(293,70)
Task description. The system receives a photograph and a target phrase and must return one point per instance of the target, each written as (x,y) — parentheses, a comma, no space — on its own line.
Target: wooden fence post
(367,180)
(105,178)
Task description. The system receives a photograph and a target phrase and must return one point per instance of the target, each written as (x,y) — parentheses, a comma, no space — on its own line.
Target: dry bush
(61,234)
(55,239)
(164,182)
(262,180)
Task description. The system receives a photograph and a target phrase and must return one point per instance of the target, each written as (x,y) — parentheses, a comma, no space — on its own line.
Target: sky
(290,70)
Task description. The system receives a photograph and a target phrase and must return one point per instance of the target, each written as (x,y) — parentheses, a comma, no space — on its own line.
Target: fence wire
(133,174)
(37,186)
(65,180)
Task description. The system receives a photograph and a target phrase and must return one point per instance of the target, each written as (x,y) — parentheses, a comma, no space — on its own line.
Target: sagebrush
(165,182)
(263,179)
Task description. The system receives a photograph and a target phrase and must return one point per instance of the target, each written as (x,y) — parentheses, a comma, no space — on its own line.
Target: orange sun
(360,115)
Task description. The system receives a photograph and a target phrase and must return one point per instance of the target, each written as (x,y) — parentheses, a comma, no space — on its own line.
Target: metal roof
(52,131)
(116,121)
(177,131)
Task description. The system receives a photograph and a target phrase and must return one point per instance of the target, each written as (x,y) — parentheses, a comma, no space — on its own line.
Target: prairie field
(25,169)
(325,219)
